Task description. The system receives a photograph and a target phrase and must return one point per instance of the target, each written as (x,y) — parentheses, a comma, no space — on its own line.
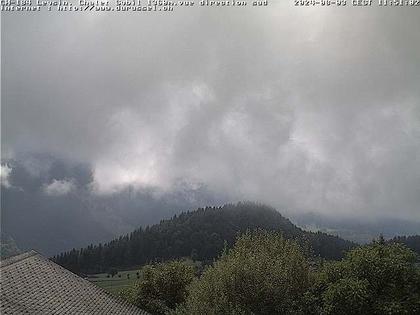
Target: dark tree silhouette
(200,234)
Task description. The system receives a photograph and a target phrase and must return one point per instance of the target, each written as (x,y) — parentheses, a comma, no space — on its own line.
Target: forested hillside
(200,234)
(412,242)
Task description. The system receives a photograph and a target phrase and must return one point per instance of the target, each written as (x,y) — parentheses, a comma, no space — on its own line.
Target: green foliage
(375,279)
(162,287)
(412,242)
(201,235)
(263,274)
(312,300)
(347,296)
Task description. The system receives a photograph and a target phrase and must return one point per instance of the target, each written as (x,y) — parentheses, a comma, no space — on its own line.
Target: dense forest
(200,234)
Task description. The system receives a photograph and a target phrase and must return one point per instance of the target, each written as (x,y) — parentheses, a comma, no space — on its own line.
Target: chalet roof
(32,284)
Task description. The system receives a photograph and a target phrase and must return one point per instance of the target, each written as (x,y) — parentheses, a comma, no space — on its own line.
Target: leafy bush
(374,279)
(347,296)
(262,274)
(162,287)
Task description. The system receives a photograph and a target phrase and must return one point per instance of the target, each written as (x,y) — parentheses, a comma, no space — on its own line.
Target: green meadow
(114,284)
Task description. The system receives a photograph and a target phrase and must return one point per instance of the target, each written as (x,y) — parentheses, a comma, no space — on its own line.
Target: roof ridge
(88,283)
(38,284)
(14,259)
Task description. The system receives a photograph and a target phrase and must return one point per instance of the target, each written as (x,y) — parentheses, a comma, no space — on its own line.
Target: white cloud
(59,187)
(4,175)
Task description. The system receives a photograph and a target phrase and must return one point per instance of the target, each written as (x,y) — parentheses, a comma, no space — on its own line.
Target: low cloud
(5,171)
(59,187)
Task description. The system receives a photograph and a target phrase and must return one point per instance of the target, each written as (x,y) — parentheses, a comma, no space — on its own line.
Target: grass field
(116,284)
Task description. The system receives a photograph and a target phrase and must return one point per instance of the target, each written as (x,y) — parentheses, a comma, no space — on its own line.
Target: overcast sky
(316,109)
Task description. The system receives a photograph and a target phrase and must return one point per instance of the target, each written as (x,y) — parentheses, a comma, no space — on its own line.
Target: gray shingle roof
(32,284)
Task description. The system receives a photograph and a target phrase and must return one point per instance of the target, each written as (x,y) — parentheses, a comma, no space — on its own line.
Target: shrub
(378,279)
(262,274)
(348,296)
(162,287)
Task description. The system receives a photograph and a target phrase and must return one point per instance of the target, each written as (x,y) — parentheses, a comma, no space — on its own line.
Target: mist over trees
(50,205)
(359,230)
(8,246)
(412,242)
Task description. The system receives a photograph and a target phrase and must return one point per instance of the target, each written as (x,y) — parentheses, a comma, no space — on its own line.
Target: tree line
(412,242)
(200,235)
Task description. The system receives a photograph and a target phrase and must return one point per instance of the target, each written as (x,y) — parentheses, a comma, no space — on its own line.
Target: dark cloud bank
(307,109)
